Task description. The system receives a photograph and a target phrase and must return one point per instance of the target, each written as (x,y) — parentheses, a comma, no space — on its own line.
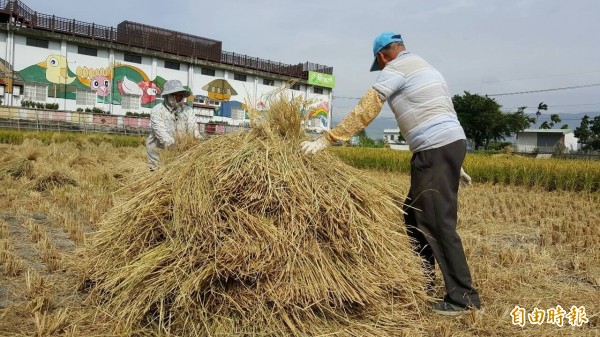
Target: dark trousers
(431,208)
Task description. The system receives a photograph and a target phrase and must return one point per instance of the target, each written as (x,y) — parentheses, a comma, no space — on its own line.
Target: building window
(37,42)
(239,77)
(133,58)
(268,81)
(295,87)
(318,90)
(87,51)
(392,137)
(238,114)
(130,102)
(86,98)
(35,92)
(207,72)
(172,65)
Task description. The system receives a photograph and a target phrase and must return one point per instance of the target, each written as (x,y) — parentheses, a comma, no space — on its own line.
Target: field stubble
(526,246)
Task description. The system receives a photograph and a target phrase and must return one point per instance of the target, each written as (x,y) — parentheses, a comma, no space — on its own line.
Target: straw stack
(242,235)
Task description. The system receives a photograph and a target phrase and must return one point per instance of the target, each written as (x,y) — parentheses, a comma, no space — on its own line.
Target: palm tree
(554,119)
(541,106)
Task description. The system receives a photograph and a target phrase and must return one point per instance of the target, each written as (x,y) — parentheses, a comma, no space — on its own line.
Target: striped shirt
(419,97)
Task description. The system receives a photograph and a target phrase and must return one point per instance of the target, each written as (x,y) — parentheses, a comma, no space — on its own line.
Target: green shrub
(550,174)
(47,137)
(11,137)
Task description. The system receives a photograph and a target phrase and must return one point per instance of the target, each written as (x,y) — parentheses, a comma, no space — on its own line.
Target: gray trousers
(152,147)
(434,180)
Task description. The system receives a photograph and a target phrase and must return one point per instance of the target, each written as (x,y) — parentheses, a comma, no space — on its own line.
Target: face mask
(172,102)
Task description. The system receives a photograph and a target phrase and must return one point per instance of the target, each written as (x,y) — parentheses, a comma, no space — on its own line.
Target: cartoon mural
(149,92)
(54,72)
(98,80)
(320,112)
(8,77)
(109,83)
(57,70)
(101,85)
(112,82)
(219,90)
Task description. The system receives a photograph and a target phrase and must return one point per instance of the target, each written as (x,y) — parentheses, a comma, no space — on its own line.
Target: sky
(485,47)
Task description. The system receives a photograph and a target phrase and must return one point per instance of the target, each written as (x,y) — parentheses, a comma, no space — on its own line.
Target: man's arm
(158,125)
(362,115)
(465,179)
(191,123)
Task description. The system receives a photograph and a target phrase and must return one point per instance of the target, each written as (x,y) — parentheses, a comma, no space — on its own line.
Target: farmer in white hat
(419,97)
(169,120)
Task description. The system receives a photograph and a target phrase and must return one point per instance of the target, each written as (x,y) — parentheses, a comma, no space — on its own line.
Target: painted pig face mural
(101,85)
(149,91)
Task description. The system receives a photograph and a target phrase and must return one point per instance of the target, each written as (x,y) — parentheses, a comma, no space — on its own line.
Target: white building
(83,66)
(393,138)
(546,141)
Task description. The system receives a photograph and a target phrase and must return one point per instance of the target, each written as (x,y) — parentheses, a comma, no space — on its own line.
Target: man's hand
(314,146)
(465,179)
(169,142)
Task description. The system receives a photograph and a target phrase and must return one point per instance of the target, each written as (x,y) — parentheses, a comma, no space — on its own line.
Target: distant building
(46,59)
(392,136)
(546,141)
(394,139)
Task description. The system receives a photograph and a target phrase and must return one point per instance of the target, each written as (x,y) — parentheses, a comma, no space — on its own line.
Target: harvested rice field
(91,244)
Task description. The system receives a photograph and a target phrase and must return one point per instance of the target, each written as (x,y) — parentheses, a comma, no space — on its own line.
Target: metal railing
(21,14)
(152,38)
(74,121)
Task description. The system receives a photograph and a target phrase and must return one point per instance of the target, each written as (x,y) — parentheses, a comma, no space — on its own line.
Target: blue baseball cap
(381,41)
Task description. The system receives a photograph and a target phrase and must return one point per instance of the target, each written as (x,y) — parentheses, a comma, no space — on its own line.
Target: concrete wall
(74,73)
(526,142)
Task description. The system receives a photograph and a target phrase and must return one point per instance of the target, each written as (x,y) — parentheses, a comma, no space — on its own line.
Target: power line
(557,106)
(341,97)
(546,90)
(524,78)
(519,92)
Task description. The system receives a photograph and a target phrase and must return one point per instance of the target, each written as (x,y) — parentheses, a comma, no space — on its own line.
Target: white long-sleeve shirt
(166,123)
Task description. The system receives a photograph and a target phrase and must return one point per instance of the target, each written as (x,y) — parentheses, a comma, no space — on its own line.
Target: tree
(554,119)
(483,121)
(545,125)
(365,141)
(588,133)
(583,132)
(541,106)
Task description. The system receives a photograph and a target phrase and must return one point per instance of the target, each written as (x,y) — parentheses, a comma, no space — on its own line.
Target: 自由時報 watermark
(576,316)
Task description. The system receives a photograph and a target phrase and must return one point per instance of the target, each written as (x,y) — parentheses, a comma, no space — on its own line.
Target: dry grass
(525,246)
(16,168)
(256,238)
(54,179)
(37,292)
(50,325)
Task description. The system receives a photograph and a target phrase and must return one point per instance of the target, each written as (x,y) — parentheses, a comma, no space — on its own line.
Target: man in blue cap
(419,97)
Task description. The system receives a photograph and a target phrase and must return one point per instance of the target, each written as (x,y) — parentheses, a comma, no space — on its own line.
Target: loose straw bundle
(242,235)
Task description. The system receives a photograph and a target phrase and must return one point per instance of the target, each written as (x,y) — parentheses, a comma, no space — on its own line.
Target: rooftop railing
(151,38)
